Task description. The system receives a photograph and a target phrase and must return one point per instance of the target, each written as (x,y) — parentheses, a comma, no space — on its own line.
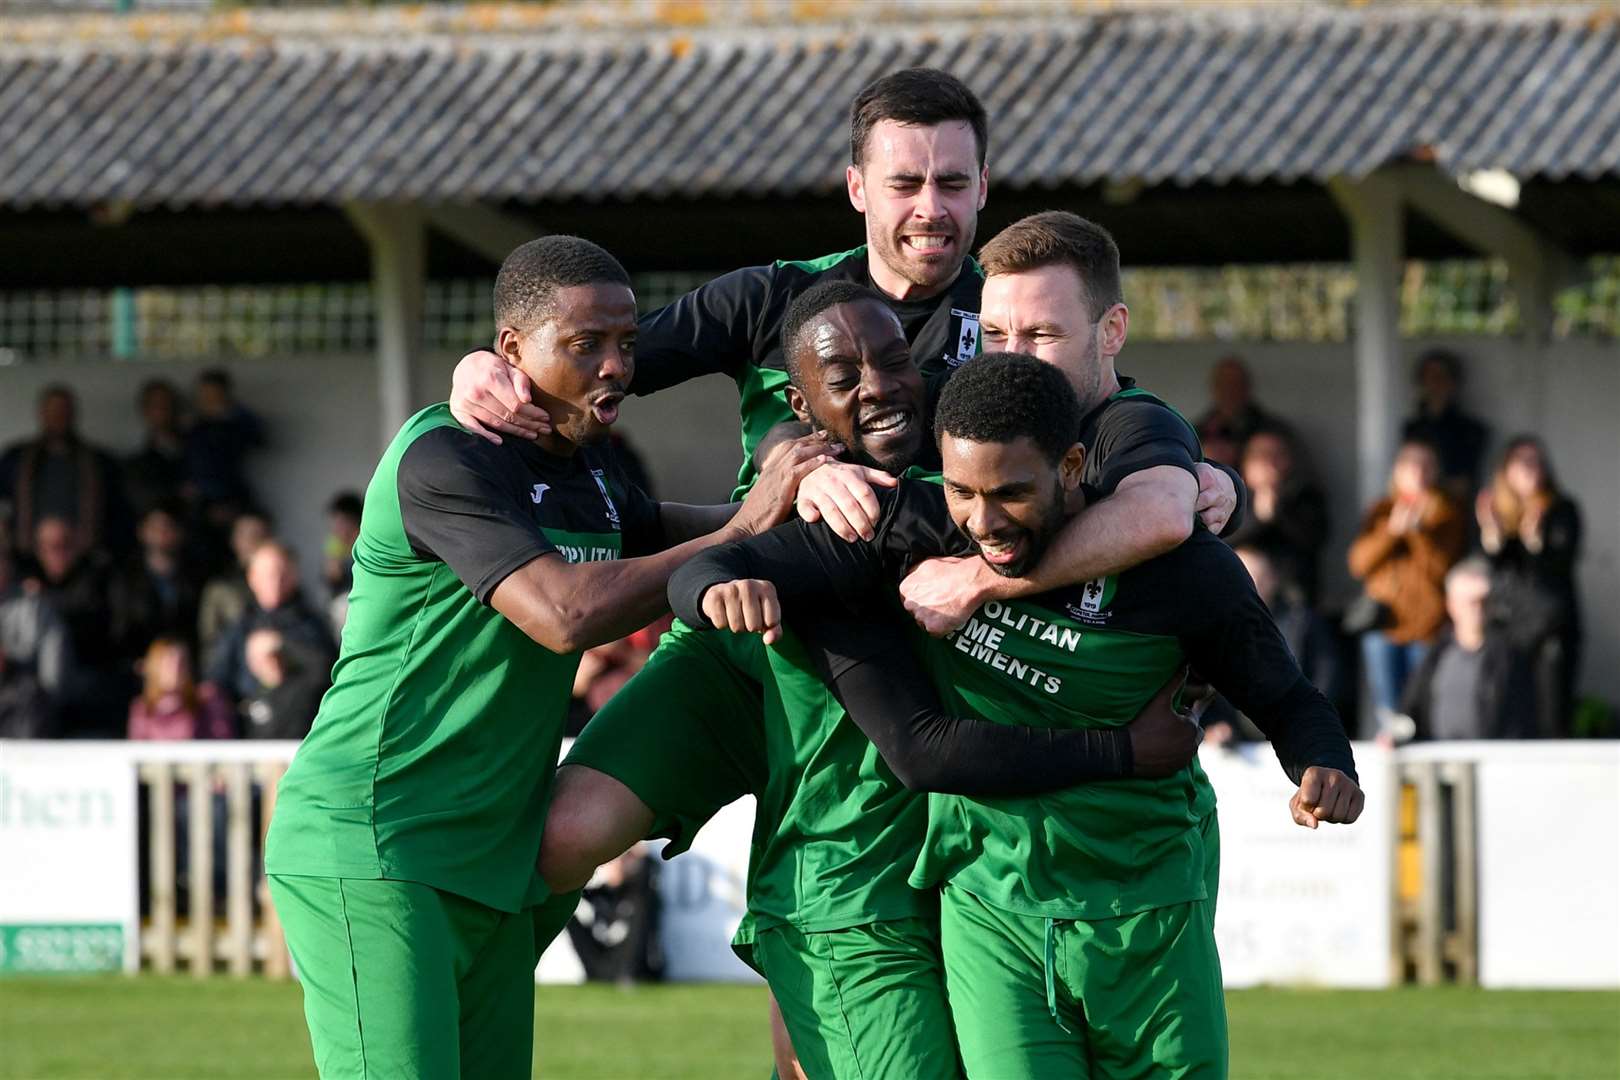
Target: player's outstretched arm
(571,606)
(1231,639)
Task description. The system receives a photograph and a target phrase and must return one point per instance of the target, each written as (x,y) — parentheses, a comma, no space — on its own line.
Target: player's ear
(507,345)
(795,401)
(1072,467)
(1115,324)
(857,187)
(984,185)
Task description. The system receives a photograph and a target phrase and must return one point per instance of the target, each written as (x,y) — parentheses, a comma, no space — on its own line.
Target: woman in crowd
(172,705)
(1408,540)
(1532,533)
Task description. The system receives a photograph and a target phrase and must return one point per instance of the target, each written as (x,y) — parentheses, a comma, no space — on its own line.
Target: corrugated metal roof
(243,109)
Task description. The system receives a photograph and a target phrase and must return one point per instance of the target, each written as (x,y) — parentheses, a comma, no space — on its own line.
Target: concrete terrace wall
(323,416)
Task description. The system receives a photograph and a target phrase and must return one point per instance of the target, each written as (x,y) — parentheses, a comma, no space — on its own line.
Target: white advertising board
(1301,906)
(1549,864)
(68,882)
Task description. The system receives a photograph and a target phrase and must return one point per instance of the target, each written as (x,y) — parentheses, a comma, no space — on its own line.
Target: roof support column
(397,236)
(1377,246)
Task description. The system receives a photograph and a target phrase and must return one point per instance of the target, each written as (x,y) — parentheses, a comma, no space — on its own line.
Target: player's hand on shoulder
(1163,741)
(745,606)
(771,499)
(942,593)
(1326,795)
(491,398)
(1217,497)
(841,495)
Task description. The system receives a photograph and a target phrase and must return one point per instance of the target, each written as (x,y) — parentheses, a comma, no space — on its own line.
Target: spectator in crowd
(155,594)
(1532,532)
(171,704)
(1457,438)
(1408,540)
(58,475)
(291,680)
(227,598)
(33,634)
(1474,684)
(1308,637)
(156,473)
(1286,513)
(74,580)
(342,530)
(26,710)
(278,604)
(221,437)
(1234,415)
(34,658)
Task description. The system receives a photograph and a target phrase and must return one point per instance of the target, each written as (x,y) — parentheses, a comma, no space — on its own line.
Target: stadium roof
(516,103)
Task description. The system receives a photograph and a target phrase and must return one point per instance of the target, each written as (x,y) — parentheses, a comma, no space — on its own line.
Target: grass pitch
(156,1028)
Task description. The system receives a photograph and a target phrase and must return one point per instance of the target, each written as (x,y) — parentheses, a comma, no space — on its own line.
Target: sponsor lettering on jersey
(577,553)
(983,636)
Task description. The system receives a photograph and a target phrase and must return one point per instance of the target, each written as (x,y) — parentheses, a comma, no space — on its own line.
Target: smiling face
(921,189)
(1008,498)
(580,359)
(856,380)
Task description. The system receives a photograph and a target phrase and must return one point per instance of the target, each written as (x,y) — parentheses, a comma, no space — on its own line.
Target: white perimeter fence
(1495,863)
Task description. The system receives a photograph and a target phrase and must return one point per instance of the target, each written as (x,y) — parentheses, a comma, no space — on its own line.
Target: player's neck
(1107,387)
(556,445)
(896,287)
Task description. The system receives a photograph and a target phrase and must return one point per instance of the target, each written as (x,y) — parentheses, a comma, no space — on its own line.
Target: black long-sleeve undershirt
(875,675)
(1224,628)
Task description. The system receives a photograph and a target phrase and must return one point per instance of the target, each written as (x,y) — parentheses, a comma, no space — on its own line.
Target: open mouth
(605,407)
(887,423)
(1002,552)
(926,243)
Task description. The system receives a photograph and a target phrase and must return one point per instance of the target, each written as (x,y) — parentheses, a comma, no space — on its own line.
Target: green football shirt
(432,756)
(1089,656)
(835,834)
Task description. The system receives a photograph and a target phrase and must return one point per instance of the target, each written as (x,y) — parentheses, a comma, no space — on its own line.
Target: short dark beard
(1040,538)
(855,452)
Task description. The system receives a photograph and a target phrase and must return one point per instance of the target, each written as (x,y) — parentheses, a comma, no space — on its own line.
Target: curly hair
(526,287)
(1003,397)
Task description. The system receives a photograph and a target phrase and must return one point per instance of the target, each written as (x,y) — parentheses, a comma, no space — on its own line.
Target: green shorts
(403,981)
(1135,997)
(866,1003)
(686,733)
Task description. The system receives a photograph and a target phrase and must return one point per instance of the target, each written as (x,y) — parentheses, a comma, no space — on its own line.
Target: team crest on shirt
(967,338)
(1096,601)
(612,511)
